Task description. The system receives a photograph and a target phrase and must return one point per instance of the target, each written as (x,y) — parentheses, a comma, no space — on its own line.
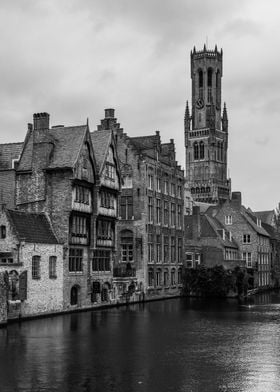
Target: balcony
(124,271)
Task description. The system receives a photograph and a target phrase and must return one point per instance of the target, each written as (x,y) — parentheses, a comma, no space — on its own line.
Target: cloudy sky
(74,58)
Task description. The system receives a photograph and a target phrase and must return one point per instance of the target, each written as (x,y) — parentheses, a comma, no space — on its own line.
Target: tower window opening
(209,84)
(200,78)
(201,150)
(196,151)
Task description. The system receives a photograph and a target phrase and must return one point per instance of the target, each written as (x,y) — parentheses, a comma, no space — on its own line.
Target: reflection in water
(185,345)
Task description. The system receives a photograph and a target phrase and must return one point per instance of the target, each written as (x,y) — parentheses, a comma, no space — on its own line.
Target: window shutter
(23,286)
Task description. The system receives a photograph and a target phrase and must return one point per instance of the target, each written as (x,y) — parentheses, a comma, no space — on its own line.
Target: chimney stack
(109,113)
(236,199)
(41,121)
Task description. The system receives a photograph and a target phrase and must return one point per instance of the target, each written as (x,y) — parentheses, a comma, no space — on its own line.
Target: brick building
(253,240)
(32,258)
(208,242)
(150,230)
(58,174)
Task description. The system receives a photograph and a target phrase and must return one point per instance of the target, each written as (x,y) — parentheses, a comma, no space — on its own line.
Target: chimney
(236,199)
(196,229)
(41,121)
(109,113)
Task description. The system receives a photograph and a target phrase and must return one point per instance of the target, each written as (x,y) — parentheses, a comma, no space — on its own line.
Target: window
(2,231)
(105,230)
(173,278)
(100,260)
(79,229)
(209,84)
(166,213)
(150,181)
(201,150)
(150,248)
(179,216)
(197,259)
(246,238)
(180,276)
(126,246)
(150,209)
(165,277)
(127,181)
(179,191)
(228,220)
(158,277)
(247,256)
(110,171)
(195,151)
(75,259)
(179,250)
(150,277)
(165,187)
(158,211)
(200,83)
(158,249)
(173,250)
(166,249)
(158,184)
(81,194)
(107,200)
(52,267)
(172,189)
(189,257)
(126,203)
(173,216)
(36,267)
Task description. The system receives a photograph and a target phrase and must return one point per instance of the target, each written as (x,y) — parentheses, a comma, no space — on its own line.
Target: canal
(182,345)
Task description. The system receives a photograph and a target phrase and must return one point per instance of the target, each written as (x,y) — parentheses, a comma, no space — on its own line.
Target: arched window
(192,190)
(221,151)
(13,285)
(202,189)
(158,277)
(151,277)
(179,275)
(218,88)
(209,84)
(197,190)
(195,151)
(126,242)
(201,150)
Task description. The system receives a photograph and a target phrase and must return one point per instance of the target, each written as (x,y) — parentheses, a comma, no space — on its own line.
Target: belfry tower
(206,130)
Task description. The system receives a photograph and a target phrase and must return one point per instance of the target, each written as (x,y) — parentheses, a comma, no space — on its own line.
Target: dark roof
(68,141)
(252,220)
(100,141)
(265,216)
(8,152)
(145,142)
(32,227)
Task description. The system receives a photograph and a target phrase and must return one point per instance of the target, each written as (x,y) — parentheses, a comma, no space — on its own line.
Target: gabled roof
(100,142)
(32,227)
(68,141)
(252,220)
(265,216)
(8,152)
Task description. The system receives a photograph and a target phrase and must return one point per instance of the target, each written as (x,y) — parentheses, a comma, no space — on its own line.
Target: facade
(150,230)
(58,174)
(253,240)
(206,130)
(32,259)
(209,243)
(108,187)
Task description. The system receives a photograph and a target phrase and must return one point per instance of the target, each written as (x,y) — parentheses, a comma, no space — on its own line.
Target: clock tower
(206,130)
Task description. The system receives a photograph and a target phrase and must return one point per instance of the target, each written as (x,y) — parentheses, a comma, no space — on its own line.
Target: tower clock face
(199,103)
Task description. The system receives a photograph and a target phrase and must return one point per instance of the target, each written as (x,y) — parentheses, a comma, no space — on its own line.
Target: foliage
(215,282)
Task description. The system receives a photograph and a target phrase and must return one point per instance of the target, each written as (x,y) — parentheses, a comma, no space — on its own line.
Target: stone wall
(3,298)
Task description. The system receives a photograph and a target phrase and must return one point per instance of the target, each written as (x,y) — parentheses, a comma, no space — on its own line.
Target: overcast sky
(73,59)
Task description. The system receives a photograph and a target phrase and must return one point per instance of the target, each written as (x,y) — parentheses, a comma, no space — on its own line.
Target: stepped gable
(32,227)
(8,152)
(100,142)
(67,144)
(25,163)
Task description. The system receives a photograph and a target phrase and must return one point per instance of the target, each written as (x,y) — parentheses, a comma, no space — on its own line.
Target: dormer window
(259,222)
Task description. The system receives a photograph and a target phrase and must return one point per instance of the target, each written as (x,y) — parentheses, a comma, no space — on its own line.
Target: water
(177,345)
